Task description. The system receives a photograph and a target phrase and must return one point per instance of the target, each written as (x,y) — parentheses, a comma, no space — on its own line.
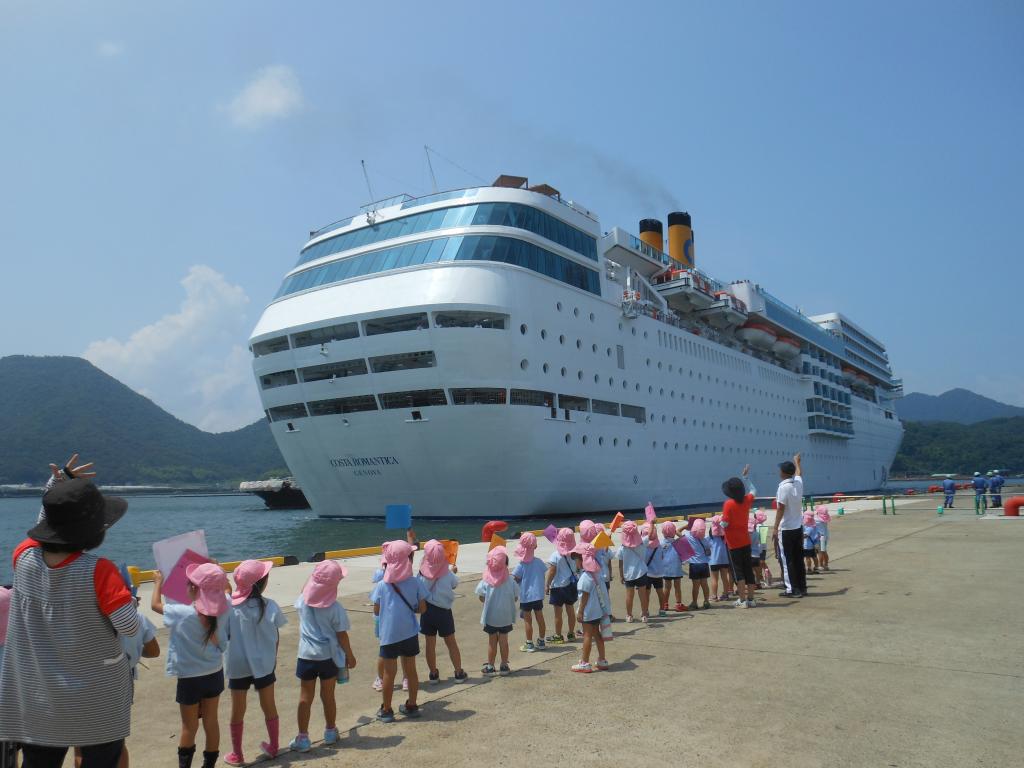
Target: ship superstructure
(492,352)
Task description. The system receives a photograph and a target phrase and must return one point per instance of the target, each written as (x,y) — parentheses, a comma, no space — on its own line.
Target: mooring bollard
(940,510)
(892,501)
(885,507)
(841,512)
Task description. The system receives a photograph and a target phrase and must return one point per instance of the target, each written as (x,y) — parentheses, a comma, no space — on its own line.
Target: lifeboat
(786,347)
(726,311)
(757,335)
(848,374)
(684,290)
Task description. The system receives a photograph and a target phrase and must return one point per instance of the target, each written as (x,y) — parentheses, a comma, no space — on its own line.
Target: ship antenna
(370,214)
(433,178)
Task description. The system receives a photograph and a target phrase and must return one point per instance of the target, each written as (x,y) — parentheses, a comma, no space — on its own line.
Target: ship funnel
(680,238)
(652,233)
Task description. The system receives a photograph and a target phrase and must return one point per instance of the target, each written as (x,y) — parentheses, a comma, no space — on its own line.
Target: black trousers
(96,756)
(793,570)
(742,565)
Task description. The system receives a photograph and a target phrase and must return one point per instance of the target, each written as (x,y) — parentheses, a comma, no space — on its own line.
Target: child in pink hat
(699,563)
(499,594)
(253,632)
(719,561)
(655,566)
(671,565)
(821,521)
(560,585)
(632,557)
(440,581)
(588,532)
(399,599)
(195,655)
(529,575)
(810,543)
(325,652)
(594,606)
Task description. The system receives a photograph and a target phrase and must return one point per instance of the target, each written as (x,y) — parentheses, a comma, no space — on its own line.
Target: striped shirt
(65,678)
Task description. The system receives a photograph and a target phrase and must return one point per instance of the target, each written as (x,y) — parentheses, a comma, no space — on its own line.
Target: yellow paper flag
(496,541)
(617,521)
(451,550)
(602,541)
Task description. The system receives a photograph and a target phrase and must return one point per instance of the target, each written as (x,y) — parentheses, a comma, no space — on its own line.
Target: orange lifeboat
(757,335)
(786,347)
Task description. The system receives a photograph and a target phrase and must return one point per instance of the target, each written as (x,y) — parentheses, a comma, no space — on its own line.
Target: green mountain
(55,406)
(959,405)
(934,447)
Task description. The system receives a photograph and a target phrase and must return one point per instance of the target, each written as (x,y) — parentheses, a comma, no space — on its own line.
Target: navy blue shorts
(192,690)
(636,583)
(533,605)
(699,571)
(437,621)
(592,622)
(810,552)
(245,683)
(404,648)
(497,630)
(567,595)
(310,669)
(655,582)
(720,567)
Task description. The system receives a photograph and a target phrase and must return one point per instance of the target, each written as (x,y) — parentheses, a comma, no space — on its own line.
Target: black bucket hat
(76,512)
(734,489)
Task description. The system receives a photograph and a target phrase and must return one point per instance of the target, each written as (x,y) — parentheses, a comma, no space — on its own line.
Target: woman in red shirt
(735,512)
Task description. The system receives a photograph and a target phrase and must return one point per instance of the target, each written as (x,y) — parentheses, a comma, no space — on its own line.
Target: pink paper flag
(176,584)
(683,548)
(550,533)
(649,511)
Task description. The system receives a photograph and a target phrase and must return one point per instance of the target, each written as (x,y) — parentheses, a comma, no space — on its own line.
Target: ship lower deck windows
(329,371)
(573,403)
(287,412)
(270,346)
(402,362)
(532,397)
(478,396)
(635,412)
(380,325)
(324,335)
(605,407)
(421,398)
(279,379)
(489,320)
(343,405)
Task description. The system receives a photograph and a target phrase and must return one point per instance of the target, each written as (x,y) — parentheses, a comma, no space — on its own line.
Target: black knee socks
(210,759)
(185,755)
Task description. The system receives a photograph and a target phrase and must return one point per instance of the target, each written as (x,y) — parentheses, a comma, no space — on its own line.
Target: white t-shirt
(791,493)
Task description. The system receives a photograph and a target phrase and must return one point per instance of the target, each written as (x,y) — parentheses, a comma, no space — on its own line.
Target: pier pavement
(907,654)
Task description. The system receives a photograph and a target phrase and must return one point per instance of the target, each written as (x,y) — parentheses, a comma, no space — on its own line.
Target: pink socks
(236,737)
(273,729)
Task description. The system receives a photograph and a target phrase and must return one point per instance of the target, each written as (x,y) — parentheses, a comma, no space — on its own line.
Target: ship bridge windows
(343,405)
(532,397)
(339,370)
(287,412)
(324,335)
(402,362)
(279,379)
(270,346)
(460,319)
(478,396)
(573,403)
(421,398)
(506,250)
(413,322)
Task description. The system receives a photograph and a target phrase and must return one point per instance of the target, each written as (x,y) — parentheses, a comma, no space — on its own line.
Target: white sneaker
(740,604)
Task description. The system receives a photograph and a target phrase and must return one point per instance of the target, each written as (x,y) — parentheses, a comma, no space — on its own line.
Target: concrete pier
(907,654)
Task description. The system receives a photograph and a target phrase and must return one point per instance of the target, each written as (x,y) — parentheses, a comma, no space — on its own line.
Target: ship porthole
(543,333)
(629,444)
(558,306)
(524,364)
(584,439)
(545,367)
(600,441)
(523,329)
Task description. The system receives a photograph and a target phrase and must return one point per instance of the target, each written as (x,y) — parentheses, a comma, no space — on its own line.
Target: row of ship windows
(424,398)
(490,214)
(403,361)
(504,250)
(416,321)
(665,445)
(680,344)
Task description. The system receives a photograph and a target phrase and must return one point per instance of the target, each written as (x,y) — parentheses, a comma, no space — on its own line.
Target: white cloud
(108,49)
(194,363)
(273,93)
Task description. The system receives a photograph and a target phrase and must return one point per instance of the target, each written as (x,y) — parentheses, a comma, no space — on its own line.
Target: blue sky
(162,163)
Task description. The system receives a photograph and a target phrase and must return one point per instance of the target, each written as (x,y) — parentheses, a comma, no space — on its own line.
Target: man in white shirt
(788,530)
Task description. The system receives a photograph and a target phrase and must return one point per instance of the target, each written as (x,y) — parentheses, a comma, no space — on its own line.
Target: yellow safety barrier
(338,554)
(139,576)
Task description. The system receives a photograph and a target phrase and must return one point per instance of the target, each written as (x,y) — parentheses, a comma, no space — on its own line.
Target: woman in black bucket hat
(65,679)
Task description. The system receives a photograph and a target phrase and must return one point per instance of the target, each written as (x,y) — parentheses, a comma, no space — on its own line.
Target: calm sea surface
(238,527)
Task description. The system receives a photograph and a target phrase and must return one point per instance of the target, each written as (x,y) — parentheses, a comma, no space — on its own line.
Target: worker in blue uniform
(949,488)
(980,487)
(995,485)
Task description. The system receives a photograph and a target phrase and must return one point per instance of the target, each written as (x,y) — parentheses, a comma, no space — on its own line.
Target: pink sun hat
(588,530)
(668,530)
(751,524)
(590,563)
(565,541)
(716,526)
(699,528)
(821,512)
(760,516)
(210,582)
(5,612)
(630,534)
(246,575)
(435,560)
(321,588)
(525,548)
(396,555)
(497,566)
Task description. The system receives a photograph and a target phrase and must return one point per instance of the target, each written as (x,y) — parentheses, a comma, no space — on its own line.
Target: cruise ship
(493,352)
